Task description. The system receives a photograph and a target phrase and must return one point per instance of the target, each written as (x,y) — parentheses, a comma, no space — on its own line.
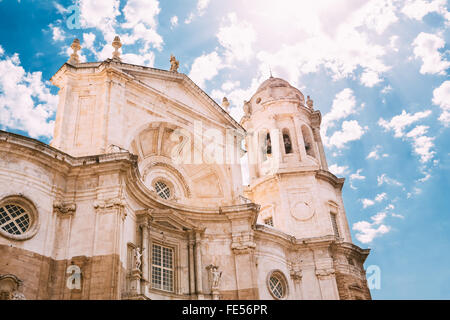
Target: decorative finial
(116,45)
(174,63)
(74,58)
(225,103)
(247,109)
(309,102)
(270,68)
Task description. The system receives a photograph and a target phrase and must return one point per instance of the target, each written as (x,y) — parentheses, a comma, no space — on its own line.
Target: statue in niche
(216,276)
(138,258)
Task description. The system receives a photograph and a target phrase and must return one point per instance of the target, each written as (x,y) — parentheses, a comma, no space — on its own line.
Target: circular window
(258,100)
(17,218)
(277,285)
(162,190)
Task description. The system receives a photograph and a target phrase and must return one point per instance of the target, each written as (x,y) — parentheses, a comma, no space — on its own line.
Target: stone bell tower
(288,170)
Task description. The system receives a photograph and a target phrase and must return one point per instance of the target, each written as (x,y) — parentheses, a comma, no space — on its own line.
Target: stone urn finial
(116,45)
(225,104)
(74,58)
(309,102)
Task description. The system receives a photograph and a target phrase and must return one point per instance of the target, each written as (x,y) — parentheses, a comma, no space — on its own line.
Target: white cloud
(426,47)
(190,18)
(367,203)
(60,8)
(337,170)
(147,59)
(174,21)
(88,41)
(367,231)
(344,104)
(417,9)
(386,89)
(100,14)
(205,67)
(400,122)
(374,154)
(377,15)
(25,100)
(357,175)
(237,37)
(384,179)
(378,198)
(369,78)
(441,97)
(422,144)
(1,51)
(140,18)
(58,34)
(201,6)
(230,85)
(351,131)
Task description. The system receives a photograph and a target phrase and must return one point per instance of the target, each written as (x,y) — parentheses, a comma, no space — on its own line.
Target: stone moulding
(64,208)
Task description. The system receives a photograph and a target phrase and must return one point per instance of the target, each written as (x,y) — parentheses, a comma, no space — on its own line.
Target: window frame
(335,224)
(279,275)
(30,209)
(162,268)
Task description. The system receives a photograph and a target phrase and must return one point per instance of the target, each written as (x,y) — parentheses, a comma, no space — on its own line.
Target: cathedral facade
(140,195)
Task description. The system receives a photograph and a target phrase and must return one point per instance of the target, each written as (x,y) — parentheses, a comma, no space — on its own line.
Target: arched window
(287,141)
(309,146)
(268,144)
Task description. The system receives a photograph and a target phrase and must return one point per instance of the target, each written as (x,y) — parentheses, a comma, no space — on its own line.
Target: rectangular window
(162,268)
(268,221)
(334,223)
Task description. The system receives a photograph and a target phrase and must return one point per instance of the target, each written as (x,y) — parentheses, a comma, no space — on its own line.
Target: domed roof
(273,83)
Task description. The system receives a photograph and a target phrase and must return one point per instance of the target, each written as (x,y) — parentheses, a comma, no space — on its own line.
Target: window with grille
(162,268)
(162,190)
(334,224)
(14,219)
(277,285)
(268,221)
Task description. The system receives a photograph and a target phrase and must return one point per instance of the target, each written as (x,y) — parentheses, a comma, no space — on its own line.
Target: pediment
(181,91)
(172,220)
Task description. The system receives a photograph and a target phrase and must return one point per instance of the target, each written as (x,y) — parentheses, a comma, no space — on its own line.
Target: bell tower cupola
(288,171)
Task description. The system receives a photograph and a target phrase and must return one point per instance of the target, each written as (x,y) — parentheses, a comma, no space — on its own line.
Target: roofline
(171,73)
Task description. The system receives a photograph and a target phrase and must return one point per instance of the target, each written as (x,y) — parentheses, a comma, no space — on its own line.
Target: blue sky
(377,70)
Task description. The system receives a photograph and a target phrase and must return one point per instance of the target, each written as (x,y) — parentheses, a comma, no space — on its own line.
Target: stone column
(318,140)
(299,135)
(327,283)
(191,243)
(198,267)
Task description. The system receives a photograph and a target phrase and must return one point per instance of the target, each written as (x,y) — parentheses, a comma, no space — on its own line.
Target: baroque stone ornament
(225,104)
(10,287)
(137,258)
(309,102)
(64,209)
(74,58)
(174,63)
